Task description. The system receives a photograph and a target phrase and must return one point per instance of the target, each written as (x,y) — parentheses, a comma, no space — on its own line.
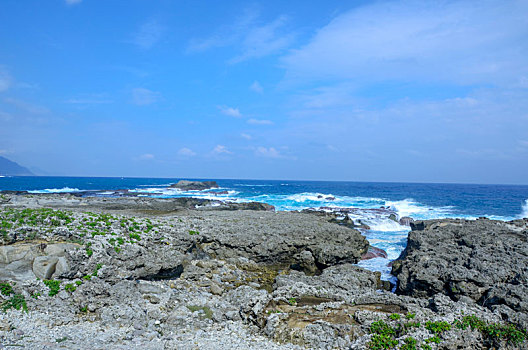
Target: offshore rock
(186,185)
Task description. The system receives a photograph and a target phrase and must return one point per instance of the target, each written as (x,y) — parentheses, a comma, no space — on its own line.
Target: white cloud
(270,152)
(146,156)
(142,96)
(457,41)
(259,122)
(230,111)
(186,152)
(246,136)
(148,35)
(220,149)
(252,38)
(256,87)
(5,79)
(72,2)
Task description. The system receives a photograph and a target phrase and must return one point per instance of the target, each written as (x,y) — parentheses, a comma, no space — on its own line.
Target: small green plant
(16,302)
(6,289)
(410,344)
(69,287)
(78,283)
(436,339)
(193,232)
(83,309)
(53,285)
(380,327)
(208,313)
(135,236)
(426,347)
(381,342)
(395,317)
(35,295)
(292,301)
(410,316)
(437,327)
(60,340)
(87,277)
(493,331)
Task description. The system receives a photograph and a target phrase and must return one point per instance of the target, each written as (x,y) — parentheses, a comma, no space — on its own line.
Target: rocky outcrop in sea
(130,273)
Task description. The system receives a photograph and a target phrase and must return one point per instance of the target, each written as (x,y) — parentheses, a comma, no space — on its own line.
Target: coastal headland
(130,272)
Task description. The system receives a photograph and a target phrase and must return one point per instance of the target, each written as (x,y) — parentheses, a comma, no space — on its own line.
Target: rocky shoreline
(143,273)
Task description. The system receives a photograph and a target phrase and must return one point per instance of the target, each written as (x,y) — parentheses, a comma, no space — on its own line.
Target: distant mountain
(8,167)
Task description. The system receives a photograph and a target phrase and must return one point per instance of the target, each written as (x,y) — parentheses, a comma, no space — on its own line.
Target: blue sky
(411,91)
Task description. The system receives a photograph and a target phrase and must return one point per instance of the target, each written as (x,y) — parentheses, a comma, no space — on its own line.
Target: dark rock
(406,221)
(374,252)
(393,217)
(483,260)
(186,185)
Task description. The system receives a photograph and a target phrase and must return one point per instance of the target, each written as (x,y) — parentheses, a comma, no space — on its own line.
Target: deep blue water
(433,200)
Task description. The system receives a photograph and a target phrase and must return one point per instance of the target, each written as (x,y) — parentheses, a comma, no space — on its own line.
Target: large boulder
(480,260)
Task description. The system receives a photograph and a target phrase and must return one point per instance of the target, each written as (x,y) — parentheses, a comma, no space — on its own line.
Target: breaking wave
(56,190)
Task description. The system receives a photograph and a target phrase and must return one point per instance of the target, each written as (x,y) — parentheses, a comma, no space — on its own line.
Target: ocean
(417,200)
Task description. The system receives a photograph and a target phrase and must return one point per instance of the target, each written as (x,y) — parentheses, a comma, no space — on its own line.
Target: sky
(398,91)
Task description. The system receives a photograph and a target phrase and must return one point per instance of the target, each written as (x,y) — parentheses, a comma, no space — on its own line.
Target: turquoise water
(419,201)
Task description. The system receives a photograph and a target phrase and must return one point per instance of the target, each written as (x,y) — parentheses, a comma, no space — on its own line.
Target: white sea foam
(409,207)
(56,190)
(524,210)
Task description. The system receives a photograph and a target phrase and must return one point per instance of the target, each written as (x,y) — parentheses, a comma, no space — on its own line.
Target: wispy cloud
(259,122)
(250,37)
(220,150)
(256,87)
(230,111)
(5,79)
(270,152)
(456,41)
(186,152)
(246,136)
(146,156)
(148,35)
(143,97)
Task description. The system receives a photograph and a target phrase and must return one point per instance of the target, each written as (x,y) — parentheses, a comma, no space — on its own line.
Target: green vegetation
(16,302)
(292,301)
(395,317)
(384,334)
(135,236)
(437,327)
(193,232)
(69,287)
(53,285)
(410,316)
(493,332)
(208,313)
(410,344)
(6,289)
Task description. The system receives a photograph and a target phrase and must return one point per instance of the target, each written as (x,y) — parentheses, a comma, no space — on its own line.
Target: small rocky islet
(82,272)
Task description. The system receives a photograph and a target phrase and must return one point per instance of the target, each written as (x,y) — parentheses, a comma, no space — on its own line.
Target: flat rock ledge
(112,274)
